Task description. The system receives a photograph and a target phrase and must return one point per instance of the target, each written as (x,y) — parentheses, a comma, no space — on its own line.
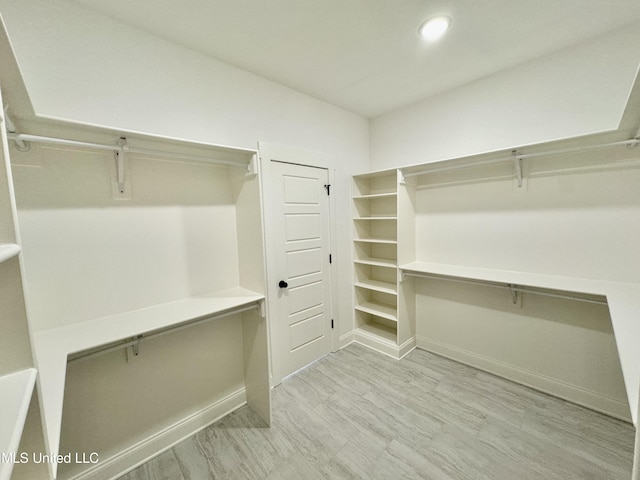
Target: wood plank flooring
(357,414)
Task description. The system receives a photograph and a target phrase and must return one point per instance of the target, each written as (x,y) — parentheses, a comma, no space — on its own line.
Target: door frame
(268,152)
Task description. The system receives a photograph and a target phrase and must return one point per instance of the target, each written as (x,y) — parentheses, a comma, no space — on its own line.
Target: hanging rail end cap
(21,145)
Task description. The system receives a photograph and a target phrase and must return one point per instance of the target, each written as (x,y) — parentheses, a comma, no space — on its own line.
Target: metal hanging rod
(634,142)
(24,137)
(512,287)
(135,341)
(121,149)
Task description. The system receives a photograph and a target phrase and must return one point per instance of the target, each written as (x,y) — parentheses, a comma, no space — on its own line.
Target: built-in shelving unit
(375,210)
(17,376)
(106,313)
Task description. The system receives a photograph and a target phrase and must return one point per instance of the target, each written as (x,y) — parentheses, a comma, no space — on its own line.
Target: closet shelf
(378,286)
(373,217)
(53,346)
(377,332)
(379,310)
(376,262)
(529,279)
(8,251)
(375,195)
(376,240)
(15,395)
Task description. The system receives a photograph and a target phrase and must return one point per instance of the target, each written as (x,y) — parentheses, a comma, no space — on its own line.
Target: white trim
(346,339)
(376,343)
(407,347)
(551,386)
(142,451)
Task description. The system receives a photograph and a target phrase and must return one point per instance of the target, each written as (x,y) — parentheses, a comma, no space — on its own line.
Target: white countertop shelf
(529,279)
(15,395)
(8,251)
(53,346)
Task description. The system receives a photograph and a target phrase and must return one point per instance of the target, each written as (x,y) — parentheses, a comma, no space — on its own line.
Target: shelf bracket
(514,293)
(402,180)
(120,158)
(517,164)
(262,309)
(635,140)
(252,166)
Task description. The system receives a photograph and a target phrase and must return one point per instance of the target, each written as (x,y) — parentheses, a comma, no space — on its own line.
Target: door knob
(283,284)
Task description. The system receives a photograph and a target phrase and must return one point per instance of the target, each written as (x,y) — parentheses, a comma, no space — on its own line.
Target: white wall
(573,92)
(81,66)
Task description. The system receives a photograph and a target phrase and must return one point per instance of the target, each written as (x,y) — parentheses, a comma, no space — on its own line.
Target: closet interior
(502,264)
(142,261)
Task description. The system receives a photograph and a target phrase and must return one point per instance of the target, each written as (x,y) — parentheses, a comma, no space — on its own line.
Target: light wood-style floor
(357,414)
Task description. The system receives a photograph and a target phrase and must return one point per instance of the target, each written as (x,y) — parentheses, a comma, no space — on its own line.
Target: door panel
(304,262)
(305,297)
(307,330)
(302,226)
(301,223)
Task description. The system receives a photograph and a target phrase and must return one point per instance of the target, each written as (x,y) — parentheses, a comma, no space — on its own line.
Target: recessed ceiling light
(434,28)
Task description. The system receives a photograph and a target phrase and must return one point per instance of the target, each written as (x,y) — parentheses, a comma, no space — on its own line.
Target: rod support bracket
(517,164)
(514,293)
(120,158)
(21,145)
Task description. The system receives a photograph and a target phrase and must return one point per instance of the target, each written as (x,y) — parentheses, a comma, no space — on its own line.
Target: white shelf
(8,251)
(378,331)
(379,310)
(377,262)
(376,240)
(15,395)
(53,346)
(373,196)
(378,286)
(373,217)
(537,280)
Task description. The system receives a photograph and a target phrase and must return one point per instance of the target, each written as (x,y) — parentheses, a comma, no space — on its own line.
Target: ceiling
(365,55)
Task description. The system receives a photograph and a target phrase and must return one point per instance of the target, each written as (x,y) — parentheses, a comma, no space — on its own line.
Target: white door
(301,325)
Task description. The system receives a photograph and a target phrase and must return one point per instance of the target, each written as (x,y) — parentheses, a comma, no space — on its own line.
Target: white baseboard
(557,388)
(407,347)
(139,453)
(346,339)
(376,343)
